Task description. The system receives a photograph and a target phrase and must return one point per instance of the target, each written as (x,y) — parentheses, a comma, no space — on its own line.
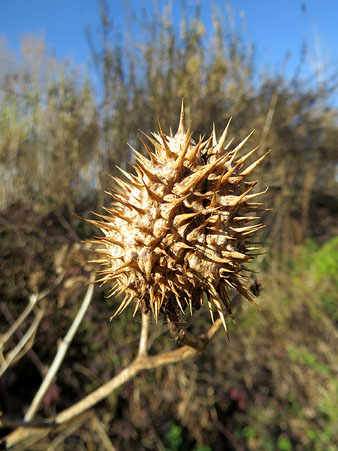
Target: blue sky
(275,27)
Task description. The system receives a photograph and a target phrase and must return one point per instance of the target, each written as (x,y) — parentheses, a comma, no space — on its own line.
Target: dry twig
(143,345)
(60,355)
(24,344)
(21,434)
(33,299)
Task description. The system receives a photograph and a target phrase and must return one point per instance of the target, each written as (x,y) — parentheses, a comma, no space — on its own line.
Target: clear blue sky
(275,27)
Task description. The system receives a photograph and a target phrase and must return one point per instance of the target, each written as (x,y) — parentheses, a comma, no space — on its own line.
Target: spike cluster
(181,226)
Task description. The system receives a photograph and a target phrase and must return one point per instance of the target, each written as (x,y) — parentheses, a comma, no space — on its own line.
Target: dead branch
(143,345)
(60,355)
(99,428)
(24,344)
(33,299)
(141,363)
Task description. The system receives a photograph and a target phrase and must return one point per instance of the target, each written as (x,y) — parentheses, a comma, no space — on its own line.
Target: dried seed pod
(181,226)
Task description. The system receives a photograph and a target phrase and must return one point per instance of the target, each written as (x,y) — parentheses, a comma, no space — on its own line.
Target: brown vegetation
(274,385)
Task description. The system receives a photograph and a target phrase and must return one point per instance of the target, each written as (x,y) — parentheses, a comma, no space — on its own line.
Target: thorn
(118,214)
(132,180)
(248,155)
(138,167)
(179,219)
(197,177)
(226,271)
(101,260)
(213,202)
(246,229)
(137,305)
(152,301)
(147,266)
(226,301)
(118,271)
(223,138)
(139,156)
(245,218)
(157,308)
(148,148)
(124,185)
(234,254)
(202,226)
(254,165)
(259,227)
(111,240)
(177,296)
(247,294)
(104,252)
(163,290)
(190,305)
(240,198)
(195,150)
(253,205)
(182,245)
(123,306)
(226,176)
(168,152)
(179,303)
(210,309)
(250,196)
(127,204)
(181,158)
(240,145)
(152,194)
(214,139)
(181,123)
(114,290)
(156,145)
(215,258)
(173,204)
(221,314)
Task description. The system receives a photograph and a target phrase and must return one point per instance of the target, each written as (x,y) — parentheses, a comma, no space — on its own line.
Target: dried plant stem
(143,345)
(185,337)
(28,434)
(140,363)
(99,428)
(33,299)
(60,355)
(269,117)
(101,393)
(19,334)
(24,344)
(272,107)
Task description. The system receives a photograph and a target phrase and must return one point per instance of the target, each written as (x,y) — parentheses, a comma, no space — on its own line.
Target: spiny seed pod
(181,226)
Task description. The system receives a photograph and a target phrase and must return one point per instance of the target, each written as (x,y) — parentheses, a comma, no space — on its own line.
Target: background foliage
(274,386)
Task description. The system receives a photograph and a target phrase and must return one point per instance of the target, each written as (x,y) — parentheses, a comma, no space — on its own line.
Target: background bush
(275,385)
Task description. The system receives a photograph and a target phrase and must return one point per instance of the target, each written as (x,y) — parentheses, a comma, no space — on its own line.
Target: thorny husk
(181,227)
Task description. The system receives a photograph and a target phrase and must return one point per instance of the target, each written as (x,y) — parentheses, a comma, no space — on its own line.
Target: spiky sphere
(181,226)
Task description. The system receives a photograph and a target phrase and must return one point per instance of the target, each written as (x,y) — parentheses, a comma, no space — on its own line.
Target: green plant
(173,437)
